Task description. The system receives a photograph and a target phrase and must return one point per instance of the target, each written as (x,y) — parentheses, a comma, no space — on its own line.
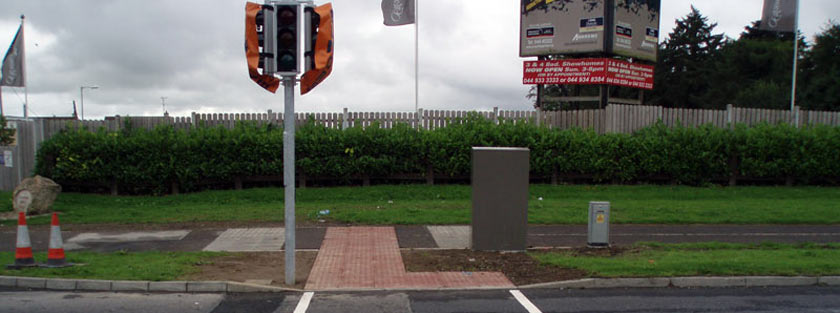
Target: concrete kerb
(586,283)
(137,286)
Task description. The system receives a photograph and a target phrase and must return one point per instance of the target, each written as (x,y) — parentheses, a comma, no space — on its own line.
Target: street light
(82,92)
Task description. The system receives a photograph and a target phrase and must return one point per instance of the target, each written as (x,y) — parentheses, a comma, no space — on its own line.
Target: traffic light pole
(289,175)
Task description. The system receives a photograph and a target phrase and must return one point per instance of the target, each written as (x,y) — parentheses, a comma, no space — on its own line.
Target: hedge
(164,156)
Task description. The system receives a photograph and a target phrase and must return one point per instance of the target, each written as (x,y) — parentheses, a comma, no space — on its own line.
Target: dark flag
(12,69)
(398,12)
(779,16)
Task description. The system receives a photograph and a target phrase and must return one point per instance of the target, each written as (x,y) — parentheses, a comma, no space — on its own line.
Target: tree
(755,70)
(6,134)
(819,87)
(684,72)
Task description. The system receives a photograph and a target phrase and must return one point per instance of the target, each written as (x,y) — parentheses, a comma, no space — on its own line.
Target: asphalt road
(790,299)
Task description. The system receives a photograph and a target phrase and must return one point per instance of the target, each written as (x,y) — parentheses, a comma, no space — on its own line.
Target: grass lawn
(153,266)
(450,204)
(701,259)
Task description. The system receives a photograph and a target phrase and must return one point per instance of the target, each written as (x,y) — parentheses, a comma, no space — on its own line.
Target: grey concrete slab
(194,241)
(708,281)
(206,286)
(168,286)
(129,236)
(130,285)
(414,236)
(93,285)
(309,237)
(452,236)
(61,284)
(249,239)
(763,281)
(31,282)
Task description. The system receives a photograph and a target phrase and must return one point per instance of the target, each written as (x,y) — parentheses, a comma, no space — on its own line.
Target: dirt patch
(242,266)
(519,267)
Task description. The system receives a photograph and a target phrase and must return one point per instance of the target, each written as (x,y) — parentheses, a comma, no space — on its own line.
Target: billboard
(636,32)
(550,27)
(588,72)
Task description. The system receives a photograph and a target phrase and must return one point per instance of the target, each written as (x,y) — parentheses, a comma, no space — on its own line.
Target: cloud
(192,52)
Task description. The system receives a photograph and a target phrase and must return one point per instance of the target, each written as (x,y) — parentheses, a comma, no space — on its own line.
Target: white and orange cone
(55,254)
(23,252)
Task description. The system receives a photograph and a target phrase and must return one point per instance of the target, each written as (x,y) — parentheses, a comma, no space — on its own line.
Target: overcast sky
(191,52)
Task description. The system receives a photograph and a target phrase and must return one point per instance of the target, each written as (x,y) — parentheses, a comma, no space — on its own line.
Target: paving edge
(65,284)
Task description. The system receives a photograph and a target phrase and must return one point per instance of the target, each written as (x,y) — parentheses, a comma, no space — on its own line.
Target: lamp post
(82,93)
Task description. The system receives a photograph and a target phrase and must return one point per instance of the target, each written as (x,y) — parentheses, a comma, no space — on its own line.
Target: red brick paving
(369,258)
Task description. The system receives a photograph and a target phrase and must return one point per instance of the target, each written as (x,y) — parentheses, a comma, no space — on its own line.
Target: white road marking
(304,302)
(523,301)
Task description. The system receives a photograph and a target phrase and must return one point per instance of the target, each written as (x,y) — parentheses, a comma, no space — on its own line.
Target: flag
(779,16)
(12,69)
(398,12)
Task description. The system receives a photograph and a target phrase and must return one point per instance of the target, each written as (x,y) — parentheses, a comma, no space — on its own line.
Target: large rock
(35,195)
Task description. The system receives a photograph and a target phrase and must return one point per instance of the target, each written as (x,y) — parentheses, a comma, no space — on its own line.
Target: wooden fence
(614,118)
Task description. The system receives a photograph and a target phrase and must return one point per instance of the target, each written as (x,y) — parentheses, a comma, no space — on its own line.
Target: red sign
(588,72)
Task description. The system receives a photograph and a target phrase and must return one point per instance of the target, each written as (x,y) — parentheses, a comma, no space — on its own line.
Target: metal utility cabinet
(500,198)
(599,224)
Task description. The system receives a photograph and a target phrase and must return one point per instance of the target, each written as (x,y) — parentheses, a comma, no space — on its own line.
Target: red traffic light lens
(286,16)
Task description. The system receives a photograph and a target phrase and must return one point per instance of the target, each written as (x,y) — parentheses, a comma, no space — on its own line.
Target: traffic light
(260,45)
(287,39)
(318,51)
(265,37)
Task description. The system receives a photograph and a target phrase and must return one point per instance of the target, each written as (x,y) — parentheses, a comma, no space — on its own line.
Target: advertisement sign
(588,72)
(555,27)
(636,32)
(549,27)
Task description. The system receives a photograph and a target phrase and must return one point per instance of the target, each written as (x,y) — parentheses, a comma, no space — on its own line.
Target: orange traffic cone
(23,253)
(55,254)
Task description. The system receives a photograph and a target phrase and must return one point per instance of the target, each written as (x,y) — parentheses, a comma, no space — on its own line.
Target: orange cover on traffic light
(323,51)
(252,49)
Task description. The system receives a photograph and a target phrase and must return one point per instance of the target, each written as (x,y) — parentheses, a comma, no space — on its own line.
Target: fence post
(496,115)
(729,114)
(194,121)
(344,119)
(796,116)
(419,118)
(539,116)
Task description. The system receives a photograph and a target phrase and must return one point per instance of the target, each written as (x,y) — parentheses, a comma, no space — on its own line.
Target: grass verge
(703,259)
(450,204)
(152,266)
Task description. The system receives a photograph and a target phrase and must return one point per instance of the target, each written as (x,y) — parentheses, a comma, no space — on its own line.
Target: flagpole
(23,67)
(416,56)
(795,57)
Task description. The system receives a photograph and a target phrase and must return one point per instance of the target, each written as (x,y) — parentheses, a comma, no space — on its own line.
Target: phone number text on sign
(588,71)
